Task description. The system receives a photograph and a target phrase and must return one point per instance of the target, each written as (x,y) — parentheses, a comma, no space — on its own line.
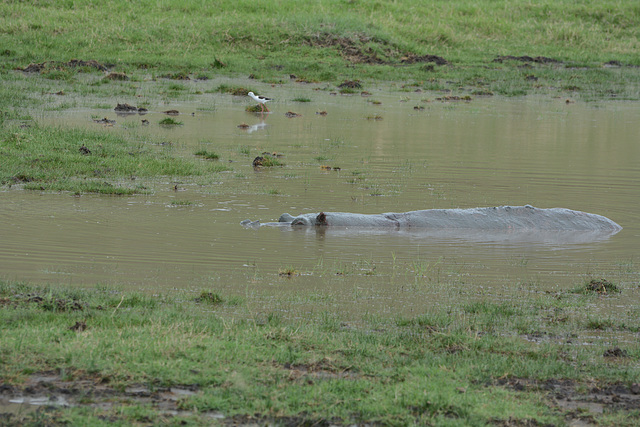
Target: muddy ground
(45,395)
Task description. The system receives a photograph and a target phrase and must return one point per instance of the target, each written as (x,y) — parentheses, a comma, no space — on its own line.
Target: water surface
(361,157)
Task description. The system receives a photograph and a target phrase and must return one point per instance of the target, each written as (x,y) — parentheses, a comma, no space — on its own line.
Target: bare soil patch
(601,286)
(58,65)
(44,395)
(526,58)
(413,59)
(581,402)
(362,49)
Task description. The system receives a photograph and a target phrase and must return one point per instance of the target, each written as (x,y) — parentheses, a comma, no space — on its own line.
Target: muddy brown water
(383,157)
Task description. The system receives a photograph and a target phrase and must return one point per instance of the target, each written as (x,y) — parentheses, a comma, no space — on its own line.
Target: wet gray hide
(491,218)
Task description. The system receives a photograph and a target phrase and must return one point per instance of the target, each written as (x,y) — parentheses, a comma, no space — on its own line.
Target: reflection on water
(488,152)
(511,239)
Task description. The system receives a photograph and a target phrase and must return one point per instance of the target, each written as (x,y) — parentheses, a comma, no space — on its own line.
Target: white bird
(260,99)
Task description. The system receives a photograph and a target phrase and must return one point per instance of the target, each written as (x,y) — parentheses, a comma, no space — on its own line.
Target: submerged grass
(168,121)
(208,155)
(447,366)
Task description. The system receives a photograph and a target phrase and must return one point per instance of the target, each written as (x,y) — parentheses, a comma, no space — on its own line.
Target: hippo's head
(294,220)
(304,219)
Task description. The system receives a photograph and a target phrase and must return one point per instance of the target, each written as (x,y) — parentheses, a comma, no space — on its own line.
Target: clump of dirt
(238,91)
(209,298)
(105,121)
(253,108)
(613,64)
(601,286)
(78,327)
(322,369)
(48,303)
(616,352)
(526,58)
(127,108)
(350,84)
(177,76)
(363,49)
(116,76)
(579,400)
(413,59)
(353,49)
(57,65)
(21,177)
(49,389)
(272,154)
(288,273)
(258,161)
(218,64)
(267,160)
(454,98)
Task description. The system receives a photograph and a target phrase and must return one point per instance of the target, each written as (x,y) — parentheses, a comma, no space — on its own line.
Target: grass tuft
(210,298)
(207,155)
(598,286)
(169,121)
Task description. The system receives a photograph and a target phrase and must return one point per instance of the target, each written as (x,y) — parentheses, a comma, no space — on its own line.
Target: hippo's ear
(285,217)
(321,219)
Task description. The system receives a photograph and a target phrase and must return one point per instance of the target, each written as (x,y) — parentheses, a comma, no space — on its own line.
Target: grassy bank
(430,42)
(56,159)
(188,359)
(246,36)
(83,54)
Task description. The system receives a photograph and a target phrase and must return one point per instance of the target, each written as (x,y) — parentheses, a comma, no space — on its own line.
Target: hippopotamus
(511,218)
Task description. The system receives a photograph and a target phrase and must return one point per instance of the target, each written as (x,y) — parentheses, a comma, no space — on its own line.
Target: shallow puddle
(390,152)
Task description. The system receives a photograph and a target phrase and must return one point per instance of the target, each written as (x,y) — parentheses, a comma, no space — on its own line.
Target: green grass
(170,122)
(269,161)
(447,366)
(332,41)
(84,161)
(207,155)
